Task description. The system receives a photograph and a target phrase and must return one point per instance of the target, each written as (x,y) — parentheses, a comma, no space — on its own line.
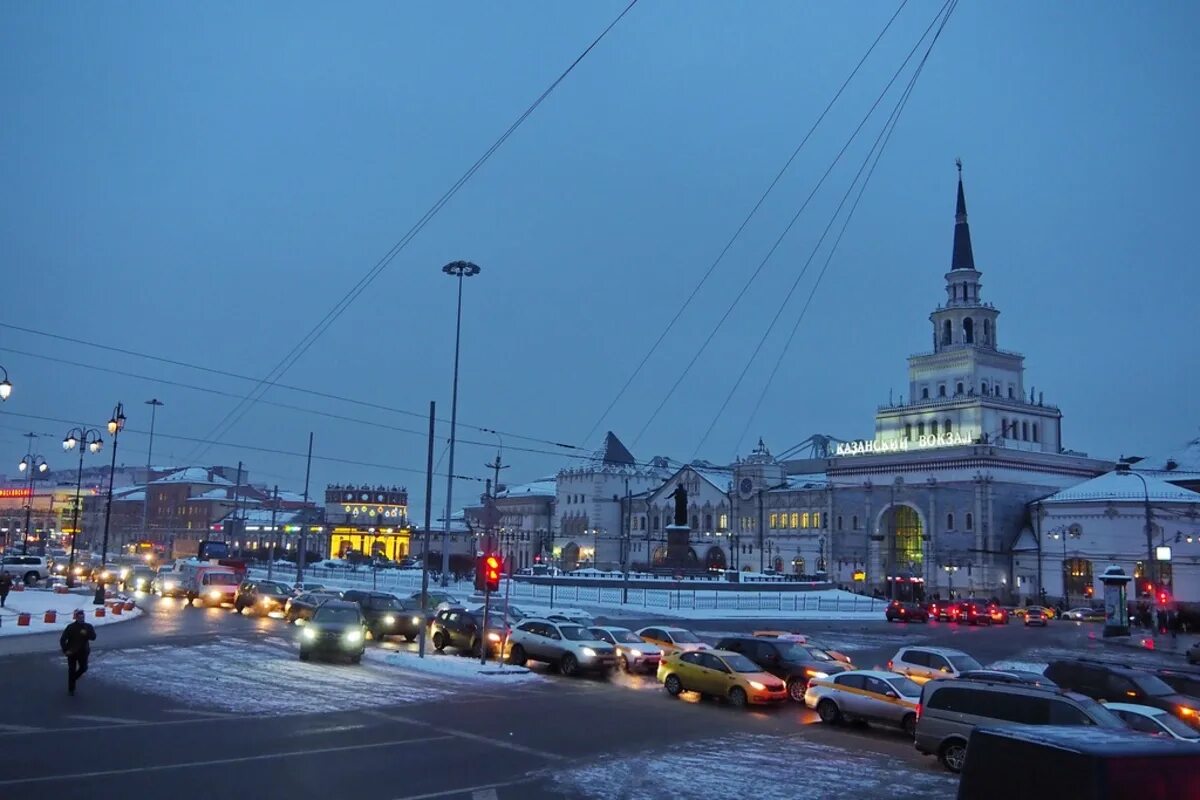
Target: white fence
(683,597)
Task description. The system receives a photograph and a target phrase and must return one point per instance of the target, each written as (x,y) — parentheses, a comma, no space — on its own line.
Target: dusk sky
(203,182)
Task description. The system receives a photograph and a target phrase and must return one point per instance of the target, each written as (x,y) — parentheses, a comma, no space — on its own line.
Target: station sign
(924,442)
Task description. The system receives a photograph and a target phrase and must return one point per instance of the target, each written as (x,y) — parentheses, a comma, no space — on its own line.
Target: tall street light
(1151,567)
(154,404)
(115,425)
(86,439)
(31,465)
(5,385)
(460,270)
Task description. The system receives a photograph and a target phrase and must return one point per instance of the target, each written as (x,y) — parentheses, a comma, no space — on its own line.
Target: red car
(974,613)
(999,614)
(906,612)
(944,610)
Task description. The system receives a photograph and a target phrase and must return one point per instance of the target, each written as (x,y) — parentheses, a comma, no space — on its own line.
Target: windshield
(964,663)
(626,637)
(336,615)
(389,603)
(1153,686)
(905,687)
(1177,726)
(576,633)
(739,663)
(271,586)
(683,637)
(220,579)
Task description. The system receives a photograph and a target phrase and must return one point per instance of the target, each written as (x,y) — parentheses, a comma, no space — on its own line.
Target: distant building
(521,525)
(367,521)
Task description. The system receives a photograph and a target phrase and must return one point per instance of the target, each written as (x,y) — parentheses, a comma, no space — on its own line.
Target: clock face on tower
(746,487)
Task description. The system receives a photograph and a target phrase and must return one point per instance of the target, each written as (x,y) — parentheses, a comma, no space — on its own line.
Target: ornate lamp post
(5,385)
(30,465)
(115,425)
(86,439)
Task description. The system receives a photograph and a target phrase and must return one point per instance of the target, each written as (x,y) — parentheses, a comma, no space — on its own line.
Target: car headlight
(635,653)
(589,652)
(493,637)
(79,570)
(308,632)
(758,686)
(353,637)
(416,620)
(389,620)
(214,594)
(813,673)
(168,585)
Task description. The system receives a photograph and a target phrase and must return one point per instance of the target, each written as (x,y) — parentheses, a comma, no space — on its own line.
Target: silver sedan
(866,694)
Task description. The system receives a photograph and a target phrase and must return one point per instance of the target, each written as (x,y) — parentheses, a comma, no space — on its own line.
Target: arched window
(950,522)
(708,522)
(654,524)
(987,331)
(947,330)
(958,388)
(695,521)
(946,426)
(1034,431)
(816,519)
(854,522)
(1025,431)
(804,520)
(795,519)
(933,428)
(970,521)
(1011,396)
(924,392)
(920,429)
(969,330)
(908,431)
(941,390)
(773,521)
(983,388)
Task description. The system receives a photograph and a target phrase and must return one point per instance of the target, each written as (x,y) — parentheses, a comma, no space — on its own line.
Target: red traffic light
(491,572)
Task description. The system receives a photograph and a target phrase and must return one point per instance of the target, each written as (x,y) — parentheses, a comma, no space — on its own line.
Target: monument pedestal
(678,544)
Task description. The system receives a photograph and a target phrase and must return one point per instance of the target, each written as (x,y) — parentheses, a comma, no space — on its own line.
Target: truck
(208,583)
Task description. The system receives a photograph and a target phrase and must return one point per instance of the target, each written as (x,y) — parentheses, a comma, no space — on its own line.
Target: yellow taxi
(1023,610)
(671,640)
(720,673)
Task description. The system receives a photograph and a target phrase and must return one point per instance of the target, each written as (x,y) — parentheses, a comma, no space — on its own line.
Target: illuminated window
(816,519)
(804,520)
(970,521)
(723,522)
(906,546)
(774,520)
(795,519)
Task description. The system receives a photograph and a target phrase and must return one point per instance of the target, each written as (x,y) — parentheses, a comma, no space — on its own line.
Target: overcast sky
(203,182)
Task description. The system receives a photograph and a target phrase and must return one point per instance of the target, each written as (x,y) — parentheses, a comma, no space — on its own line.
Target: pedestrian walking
(76,643)
(6,583)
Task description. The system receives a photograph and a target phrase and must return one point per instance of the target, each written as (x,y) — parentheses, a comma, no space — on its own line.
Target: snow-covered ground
(36,602)
(454,667)
(260,678)
(764,767)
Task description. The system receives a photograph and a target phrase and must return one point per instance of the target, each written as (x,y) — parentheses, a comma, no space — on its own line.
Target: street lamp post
(88,439)
(115,425)
(32,465)
(460,270)
(1151,566)
(5,386)
(950,570)
(154,404)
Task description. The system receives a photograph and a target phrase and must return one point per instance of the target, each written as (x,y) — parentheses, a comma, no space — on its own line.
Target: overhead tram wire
(227,374)
(889,128)
(745,287)
(737,233)
(280,369)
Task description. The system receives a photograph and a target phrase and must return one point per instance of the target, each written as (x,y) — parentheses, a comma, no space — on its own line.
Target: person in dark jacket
(76,643)
(6,583)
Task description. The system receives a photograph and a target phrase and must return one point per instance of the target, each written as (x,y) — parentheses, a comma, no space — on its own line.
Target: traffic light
(491,568)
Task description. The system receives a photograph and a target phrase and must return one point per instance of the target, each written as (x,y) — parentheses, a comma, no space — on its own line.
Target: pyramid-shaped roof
(614,452)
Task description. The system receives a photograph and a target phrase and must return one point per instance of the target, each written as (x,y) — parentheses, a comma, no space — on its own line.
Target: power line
(741,293)
(235,414)
(877,148)
(737,233)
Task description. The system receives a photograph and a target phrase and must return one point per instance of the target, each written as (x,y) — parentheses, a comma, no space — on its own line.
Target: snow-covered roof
(194,475)
(133,493)
(813,480)
(262,516)
(542,487)
(1121,487)
(1181,464)
(718,478)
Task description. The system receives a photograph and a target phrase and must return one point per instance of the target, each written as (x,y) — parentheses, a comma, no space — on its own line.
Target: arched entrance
(570,556)
(798,565)
(715,558)
(660,556)
(778,565)
(907,541)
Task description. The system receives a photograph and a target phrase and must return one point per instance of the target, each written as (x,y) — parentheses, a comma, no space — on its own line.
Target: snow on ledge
(455,667)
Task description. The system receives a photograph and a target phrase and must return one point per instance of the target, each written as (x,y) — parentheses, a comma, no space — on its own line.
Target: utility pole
(271,550)
(154,404)
(237,501)
(425,533)
(304,527)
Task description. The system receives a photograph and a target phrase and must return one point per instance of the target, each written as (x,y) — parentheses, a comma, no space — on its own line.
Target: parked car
(1121,683)
(1035,617)
(337,629)
(928,663)
(867,695)
(720,673)
(1007,676)
(304,606)
(1184,681)
(671,640)
(795,663)
(634,654)
(463,630)
(573,648)
(1155,721)
(905,612)
(30,569)
(951,709)
(261,597)
(388,615)
(1078,614)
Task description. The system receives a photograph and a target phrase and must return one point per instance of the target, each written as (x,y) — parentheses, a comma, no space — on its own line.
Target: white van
(208,584)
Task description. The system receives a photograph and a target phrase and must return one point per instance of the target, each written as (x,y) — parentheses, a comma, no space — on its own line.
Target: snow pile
(254,678)
(36,602)
(454,667)
(754,765)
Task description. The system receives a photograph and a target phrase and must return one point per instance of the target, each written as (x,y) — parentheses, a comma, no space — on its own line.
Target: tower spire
(962,257)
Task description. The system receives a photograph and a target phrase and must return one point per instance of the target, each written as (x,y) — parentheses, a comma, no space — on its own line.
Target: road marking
(197,713)
(219,761)
(19,729)
(328,729)
(473,737)
(110,720)
(485,791)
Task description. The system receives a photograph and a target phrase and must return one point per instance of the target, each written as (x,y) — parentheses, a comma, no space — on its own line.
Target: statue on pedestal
(680,496)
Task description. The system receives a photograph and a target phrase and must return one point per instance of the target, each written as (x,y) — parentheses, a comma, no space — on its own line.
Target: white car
(633,653)
(29,569)
(869,695)
(671,640)
(1078,614)
(1148,719)
(928,663)
(573,648)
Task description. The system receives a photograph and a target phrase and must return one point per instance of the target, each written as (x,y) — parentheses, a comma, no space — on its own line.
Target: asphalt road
(190,722)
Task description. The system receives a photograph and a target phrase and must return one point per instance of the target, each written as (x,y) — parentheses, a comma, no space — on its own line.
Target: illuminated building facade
(367,521)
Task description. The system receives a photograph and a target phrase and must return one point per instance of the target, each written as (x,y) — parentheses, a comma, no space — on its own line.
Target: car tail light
(918,712)
(889,664)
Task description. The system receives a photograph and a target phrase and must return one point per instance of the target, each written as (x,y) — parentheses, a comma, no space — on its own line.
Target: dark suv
(388,615)
(795,662)
(463,630)
(262,597)
(336,629)
(1184,681)
(1121,683)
